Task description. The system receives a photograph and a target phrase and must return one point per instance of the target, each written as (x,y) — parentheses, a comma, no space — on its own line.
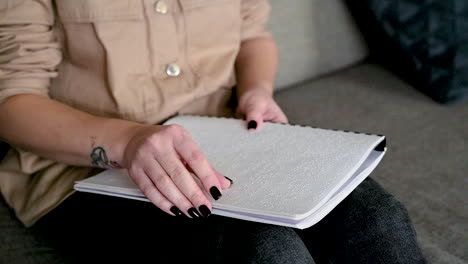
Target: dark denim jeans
(369,226)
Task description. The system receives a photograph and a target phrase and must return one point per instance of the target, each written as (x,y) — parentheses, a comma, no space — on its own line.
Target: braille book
(287,175)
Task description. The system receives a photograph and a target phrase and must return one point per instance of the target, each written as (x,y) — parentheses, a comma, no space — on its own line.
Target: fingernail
(193,213)
(205,212)
(215,192)
(176,211)
(252,124)
(227,178)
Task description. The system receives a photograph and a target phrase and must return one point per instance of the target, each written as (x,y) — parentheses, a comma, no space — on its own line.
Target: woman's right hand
(160,160)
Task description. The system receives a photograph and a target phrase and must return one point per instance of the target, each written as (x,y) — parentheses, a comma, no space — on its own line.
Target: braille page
(282,171)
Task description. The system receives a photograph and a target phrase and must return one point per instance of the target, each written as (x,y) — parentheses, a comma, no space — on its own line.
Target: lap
(110,229)
(88,225)
(366,227)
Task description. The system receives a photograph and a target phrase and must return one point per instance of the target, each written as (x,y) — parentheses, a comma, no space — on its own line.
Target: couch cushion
(425,166)
(425,42)
(314,37)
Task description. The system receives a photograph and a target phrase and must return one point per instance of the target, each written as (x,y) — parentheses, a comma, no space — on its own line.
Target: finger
(184,181)
(282,118)
(166,186)
(254,116)
(196,160)
(225,181)
(276,116)
(152,193)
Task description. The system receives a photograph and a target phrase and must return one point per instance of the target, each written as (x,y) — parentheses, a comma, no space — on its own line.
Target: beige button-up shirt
(140,60)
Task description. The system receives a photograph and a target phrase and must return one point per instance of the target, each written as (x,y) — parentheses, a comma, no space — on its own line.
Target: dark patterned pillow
(424,41)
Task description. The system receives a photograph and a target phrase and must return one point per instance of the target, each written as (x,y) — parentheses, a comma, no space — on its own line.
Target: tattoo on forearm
(99,158)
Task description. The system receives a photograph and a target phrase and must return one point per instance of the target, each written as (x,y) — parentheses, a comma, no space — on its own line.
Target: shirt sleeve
(255,14)
(29,52)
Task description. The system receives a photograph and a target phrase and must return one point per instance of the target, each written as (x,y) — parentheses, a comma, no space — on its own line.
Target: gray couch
(326,80)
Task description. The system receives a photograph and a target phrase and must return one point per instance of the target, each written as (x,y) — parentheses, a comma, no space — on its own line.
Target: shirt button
(161,7)
(173,70)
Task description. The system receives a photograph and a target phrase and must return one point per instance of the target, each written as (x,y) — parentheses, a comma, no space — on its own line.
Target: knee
(262,243)
(377,221)
(373,205)
(390,211)
(276,244)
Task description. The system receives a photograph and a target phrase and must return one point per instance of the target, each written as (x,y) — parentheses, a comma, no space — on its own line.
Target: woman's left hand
(257,105)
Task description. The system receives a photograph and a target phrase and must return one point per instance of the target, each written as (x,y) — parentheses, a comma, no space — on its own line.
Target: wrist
(109,151)
(264,88)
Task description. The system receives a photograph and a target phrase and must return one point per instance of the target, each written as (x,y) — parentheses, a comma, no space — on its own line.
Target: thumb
(254,117)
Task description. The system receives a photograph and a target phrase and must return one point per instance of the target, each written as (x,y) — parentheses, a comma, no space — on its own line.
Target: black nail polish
(176,211)
(215,192)
(193,213)
(205,212)
(229,179)
(252,124)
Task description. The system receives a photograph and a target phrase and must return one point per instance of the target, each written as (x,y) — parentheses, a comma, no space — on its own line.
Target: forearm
(256,65)
(59,132)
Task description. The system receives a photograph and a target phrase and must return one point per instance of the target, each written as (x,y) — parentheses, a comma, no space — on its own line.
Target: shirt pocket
(106,44)
(118,26)
(212,34)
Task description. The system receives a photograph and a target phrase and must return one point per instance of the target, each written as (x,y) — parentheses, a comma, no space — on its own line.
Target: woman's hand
(159,160)
(258,105)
